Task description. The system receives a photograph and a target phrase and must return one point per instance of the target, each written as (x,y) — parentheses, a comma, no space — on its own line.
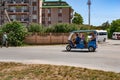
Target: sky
(101,10)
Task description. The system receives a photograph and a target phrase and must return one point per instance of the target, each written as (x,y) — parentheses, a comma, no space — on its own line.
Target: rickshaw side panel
(80,45)
(92,44)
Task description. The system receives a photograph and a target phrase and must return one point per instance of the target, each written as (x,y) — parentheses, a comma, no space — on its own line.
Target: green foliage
(73,27)
(105,25)
(58,28)
(62,28)
(0,30)
(49,29)
(115,27)
(34,27)
(85,27)
(77,19)
(16,33)
(109,34)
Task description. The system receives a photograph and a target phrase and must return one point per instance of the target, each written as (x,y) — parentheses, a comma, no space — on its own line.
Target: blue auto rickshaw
(87,43)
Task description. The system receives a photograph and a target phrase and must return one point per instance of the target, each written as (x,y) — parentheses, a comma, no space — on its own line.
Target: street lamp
(89,4)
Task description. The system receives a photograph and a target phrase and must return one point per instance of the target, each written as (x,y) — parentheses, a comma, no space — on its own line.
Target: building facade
(36,11)
(25,11)
(56,12)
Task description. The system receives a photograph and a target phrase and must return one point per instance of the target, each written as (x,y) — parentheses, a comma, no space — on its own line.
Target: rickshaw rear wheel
(68,47)
(91,49)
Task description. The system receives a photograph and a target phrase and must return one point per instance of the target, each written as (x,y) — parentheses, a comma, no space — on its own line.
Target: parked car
(116,35)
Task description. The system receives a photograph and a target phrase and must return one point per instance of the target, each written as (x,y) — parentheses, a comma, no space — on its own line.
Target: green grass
(17,71)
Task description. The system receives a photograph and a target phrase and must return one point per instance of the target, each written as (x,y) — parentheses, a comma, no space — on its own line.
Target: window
(12,8)
(49,10)
(34,20)
(34,8)
(13,16)
(59,10)
(34,3)
(43,22)
(49,22)
(43,10)
(59,19)
(34,17)
(43,18)
(24,8)
(49,18)
(102,33)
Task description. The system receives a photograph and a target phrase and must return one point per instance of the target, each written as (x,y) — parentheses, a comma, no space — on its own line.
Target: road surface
(106,57)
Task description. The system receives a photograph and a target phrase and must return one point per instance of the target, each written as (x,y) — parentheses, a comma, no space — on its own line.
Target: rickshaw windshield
(70,36)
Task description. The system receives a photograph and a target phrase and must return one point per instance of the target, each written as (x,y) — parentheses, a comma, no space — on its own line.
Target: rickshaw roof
(80,31)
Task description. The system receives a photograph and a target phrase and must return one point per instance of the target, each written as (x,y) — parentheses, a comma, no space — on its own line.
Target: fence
(46,38)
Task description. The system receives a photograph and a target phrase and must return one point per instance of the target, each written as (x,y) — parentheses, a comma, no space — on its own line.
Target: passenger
(93,37)
(77,40)
(83,39)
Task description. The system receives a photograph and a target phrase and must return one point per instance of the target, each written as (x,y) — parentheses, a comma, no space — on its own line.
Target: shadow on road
(80,51)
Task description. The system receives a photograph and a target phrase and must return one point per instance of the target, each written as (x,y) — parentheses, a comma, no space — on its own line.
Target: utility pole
(89,4)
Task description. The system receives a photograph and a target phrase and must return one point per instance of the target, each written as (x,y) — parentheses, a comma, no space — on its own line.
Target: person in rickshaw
(83,38)
(76,40)
(93,37)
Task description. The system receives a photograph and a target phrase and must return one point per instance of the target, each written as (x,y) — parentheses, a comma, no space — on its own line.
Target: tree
(16,33)
(77,19)
(115,27)
(105,25)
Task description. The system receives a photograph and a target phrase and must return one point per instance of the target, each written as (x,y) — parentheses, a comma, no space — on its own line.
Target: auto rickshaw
(87,40)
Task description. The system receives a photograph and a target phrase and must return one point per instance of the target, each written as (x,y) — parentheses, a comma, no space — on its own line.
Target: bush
(49,29)
(73,27)
(34,27)
(16,33)
(115,27)
(62,28)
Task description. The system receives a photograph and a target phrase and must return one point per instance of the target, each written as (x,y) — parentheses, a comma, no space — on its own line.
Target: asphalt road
(106,57)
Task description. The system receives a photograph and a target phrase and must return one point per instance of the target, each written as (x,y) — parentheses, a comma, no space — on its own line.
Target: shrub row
(58,28)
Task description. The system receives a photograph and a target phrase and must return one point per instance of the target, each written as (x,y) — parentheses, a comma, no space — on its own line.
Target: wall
(47,38)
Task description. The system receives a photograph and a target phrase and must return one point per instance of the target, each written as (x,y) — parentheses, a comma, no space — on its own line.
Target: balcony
(18,4)
(34,12)
(18,1)
(26,19)
(18,13)
(18,10)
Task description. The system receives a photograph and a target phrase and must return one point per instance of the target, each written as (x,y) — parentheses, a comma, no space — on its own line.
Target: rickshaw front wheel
(68,47)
